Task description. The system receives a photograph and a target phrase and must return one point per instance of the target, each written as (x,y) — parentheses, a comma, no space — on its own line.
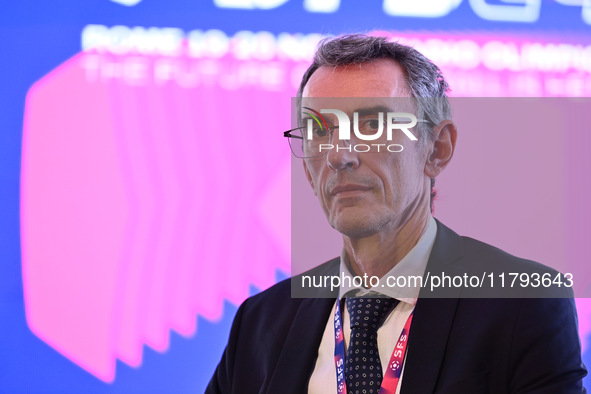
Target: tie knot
(369,313)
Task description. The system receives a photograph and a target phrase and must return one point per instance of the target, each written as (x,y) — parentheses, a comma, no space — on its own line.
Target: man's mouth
(349,190)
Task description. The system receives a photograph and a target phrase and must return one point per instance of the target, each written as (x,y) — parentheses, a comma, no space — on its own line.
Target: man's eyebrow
(362,111)
(366,111)
(307,117)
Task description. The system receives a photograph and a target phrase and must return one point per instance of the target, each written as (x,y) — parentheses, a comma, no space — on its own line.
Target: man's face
(364,194)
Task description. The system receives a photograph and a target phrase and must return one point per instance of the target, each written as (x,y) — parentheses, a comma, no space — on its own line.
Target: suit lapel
(298,356)
(433,319)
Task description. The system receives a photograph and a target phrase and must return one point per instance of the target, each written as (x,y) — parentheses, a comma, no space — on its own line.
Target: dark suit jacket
(456,345)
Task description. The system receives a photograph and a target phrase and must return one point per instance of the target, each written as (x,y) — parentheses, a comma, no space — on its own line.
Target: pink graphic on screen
(154,189)
(143,206)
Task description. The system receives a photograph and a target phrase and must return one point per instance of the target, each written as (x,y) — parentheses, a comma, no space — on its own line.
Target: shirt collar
(408,270)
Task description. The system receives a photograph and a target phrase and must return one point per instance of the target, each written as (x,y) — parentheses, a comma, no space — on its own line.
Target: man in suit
(360,336)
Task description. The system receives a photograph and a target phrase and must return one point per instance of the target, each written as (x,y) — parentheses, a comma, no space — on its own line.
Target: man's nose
(343,154)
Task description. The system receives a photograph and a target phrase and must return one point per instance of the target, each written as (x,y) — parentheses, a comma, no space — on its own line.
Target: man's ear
(309,176)
(441,148)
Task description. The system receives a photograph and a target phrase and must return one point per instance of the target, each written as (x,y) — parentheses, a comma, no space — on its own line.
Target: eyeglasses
(315,139)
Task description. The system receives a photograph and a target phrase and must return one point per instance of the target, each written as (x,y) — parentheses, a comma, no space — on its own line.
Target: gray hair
(423,78)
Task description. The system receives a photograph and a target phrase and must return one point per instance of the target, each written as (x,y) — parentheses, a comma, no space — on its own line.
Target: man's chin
(354,227)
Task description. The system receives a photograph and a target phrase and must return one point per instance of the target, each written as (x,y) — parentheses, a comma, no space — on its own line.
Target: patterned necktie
(363,369)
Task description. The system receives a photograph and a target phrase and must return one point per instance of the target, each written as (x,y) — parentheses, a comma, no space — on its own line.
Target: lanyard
(392,374)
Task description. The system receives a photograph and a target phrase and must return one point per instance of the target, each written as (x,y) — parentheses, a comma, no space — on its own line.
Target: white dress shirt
(323,379)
